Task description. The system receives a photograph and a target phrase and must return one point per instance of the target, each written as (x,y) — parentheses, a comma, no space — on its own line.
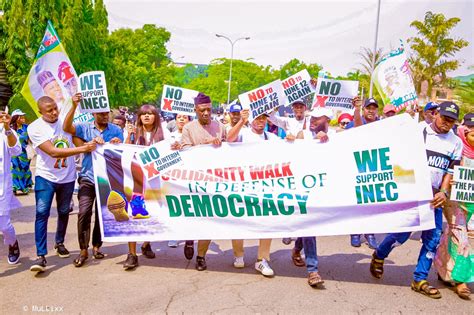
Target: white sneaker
(264,268)
(239,262)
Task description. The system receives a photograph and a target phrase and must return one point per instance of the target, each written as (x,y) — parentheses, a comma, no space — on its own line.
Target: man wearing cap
(256,133)
(100,131)
(9,146)
(202,130)
(370,114)
(55,175)
(318,125)
(292,125)
(235,118)
(430,112)
(389,111)
(443,150)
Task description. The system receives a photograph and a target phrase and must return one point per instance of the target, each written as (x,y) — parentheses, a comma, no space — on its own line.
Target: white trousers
(9,235)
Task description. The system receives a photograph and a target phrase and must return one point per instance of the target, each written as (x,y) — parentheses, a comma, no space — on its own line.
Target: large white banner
(272,189)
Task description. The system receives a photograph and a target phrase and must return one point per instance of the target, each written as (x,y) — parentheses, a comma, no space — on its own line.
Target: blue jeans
(430,240)
(310,252)
(44,193)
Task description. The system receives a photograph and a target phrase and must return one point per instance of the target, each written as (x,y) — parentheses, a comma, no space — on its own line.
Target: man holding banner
(55,174)
(292,125)
(444,150)
(100,131)
(255,133)
(203,130)
(370,115)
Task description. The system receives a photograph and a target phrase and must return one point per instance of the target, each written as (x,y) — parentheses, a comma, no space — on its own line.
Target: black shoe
(39,265)
(147,251)
(61,250)
(189,250)
(131,262)
(201,263)
(13,253)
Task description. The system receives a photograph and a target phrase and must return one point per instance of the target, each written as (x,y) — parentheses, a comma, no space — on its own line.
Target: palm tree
(432,49)
(367,55)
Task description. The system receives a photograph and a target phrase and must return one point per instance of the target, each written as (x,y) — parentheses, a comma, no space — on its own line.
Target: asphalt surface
(170,284)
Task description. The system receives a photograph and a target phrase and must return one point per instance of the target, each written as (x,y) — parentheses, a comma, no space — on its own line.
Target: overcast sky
(328,32)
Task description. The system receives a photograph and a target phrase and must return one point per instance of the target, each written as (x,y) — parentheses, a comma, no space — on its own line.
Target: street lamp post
(232,43)
(375,49)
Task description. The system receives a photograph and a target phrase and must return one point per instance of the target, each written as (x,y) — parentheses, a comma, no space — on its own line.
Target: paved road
(169,284)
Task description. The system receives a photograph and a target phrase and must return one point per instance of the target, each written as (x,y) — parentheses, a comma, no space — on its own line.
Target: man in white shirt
(318,125)
(9,146)
(292,125)
(55,174)
(255,133)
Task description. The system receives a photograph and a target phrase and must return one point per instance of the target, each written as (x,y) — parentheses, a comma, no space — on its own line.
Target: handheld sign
(297,86)
(158,158)
(178,100)
(463,189)
(94,92)
(335,93)
(263,99)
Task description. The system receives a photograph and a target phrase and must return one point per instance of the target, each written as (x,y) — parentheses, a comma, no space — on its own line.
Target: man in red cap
(202,130)
(389,111)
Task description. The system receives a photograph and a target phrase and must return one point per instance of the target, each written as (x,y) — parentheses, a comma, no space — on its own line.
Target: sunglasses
(345,123)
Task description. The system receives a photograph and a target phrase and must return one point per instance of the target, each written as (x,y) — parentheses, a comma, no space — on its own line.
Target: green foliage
(465,92)
(294,66)
(139,65)
(246,76)
(432,49)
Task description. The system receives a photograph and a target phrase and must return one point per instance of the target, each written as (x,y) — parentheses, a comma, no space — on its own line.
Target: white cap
(18,112)
(321,111)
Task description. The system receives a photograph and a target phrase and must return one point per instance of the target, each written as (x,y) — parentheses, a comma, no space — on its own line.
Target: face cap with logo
(430,106)
(371,101)
(235,108)
(468,120)
(449,109)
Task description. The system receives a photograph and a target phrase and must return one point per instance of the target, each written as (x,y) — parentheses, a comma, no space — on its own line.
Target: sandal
(376,266)
(80,260)
(97,254)
(297,259)
(464,292)
(425,288)
(314,279)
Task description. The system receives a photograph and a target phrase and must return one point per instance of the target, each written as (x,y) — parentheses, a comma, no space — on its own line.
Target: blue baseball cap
(430,106)
(235,108)
(371,101)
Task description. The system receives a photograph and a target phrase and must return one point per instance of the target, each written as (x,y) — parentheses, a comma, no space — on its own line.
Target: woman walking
(22,178)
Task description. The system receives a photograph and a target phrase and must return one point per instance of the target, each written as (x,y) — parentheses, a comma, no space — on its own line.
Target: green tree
(246,76)
(465,92)
(368,63)
(294,66)
(139,65)
(433,48)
